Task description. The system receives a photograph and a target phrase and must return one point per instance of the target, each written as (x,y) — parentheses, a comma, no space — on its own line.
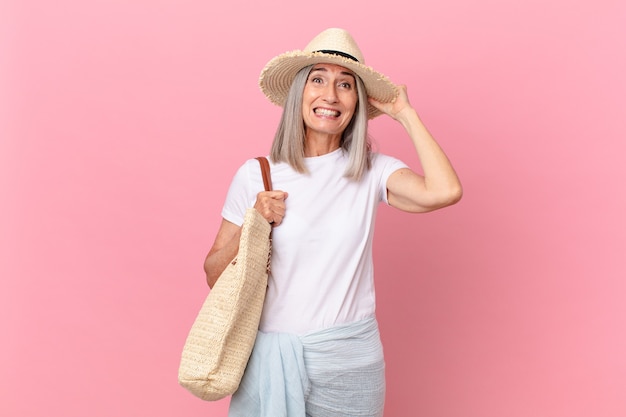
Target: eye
(316,80)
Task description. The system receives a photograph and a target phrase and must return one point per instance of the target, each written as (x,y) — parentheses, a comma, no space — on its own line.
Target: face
(329,100)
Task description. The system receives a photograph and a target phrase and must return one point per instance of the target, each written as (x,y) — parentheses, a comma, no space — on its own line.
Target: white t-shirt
(322,271)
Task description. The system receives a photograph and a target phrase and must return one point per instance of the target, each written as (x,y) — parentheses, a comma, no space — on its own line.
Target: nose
(330,94)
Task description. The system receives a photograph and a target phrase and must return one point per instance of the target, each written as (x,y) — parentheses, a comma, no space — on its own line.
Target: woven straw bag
(221,338)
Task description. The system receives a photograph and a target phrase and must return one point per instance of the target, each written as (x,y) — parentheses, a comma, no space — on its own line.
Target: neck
(317,145)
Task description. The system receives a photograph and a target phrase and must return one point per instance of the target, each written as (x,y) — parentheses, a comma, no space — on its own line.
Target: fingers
(271,205)
(394,107)
(404,95)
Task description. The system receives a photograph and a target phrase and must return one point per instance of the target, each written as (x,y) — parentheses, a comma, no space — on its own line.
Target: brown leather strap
(265,170)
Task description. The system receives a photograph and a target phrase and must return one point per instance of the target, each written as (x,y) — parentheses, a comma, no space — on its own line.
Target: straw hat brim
(276,78)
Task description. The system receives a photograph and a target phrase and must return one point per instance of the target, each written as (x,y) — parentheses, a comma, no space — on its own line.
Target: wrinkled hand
(395,108)
(271,205)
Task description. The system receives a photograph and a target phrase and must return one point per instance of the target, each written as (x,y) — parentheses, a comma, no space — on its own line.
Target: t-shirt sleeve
(240,194)
(385,165)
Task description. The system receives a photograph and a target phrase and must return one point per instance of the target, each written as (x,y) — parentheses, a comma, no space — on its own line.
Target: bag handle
(265,170)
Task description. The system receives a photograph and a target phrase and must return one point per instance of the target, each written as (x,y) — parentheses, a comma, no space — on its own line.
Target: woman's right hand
(271,205)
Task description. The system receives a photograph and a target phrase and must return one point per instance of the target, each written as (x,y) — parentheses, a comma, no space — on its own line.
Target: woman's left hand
(394,108)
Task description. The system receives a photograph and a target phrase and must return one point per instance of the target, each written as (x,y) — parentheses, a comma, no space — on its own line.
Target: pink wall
(123,121)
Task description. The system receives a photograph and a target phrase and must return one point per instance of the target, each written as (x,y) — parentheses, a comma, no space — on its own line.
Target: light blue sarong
(334,372)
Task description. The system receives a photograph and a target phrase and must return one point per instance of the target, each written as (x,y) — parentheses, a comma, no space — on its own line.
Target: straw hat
(332,46)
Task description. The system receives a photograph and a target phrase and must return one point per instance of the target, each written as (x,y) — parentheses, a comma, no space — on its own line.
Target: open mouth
(326,112)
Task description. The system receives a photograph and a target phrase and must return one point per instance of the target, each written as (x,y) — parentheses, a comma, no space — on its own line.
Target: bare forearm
(407,190)
(440,177)
(217,261)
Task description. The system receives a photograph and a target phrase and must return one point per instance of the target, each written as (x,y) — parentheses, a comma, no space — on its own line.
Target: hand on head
(393,108)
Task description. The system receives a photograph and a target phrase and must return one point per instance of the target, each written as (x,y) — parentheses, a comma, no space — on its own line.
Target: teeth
(326,112)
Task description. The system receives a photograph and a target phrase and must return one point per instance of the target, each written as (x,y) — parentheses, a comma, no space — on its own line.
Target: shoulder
(249,168)
(384,162)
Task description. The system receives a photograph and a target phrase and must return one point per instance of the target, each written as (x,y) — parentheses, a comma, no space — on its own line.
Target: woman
(318,350)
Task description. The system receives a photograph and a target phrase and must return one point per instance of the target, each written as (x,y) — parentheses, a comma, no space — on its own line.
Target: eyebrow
(325,70)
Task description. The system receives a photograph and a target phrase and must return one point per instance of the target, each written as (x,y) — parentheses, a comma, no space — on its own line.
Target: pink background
(123,122)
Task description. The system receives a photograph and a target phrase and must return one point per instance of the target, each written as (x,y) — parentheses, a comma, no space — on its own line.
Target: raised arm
(439,186)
